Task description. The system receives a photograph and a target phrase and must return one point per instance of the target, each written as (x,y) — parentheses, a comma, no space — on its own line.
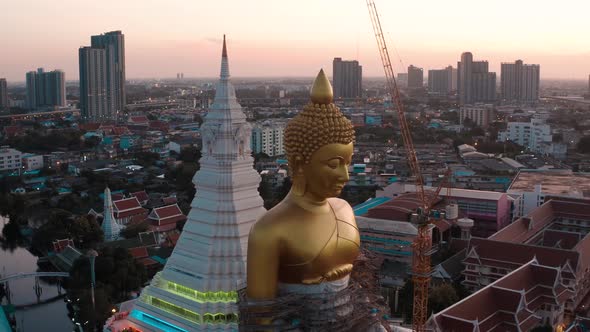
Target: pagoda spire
(224,62)
(110,228)
(198,288)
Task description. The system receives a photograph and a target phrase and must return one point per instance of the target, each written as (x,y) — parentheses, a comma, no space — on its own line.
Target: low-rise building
(490,210)
(481,114)
(531,134)
(129,210)
(556,235)
(32,161)
(10,159)
(531,296)
(530,187)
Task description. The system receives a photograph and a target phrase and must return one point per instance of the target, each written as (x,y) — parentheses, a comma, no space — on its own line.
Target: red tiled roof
(126,204)
(117,197)
(172,220)
(163,228)
(495,252)
(140,119)
(142,196)
(522,230)
(500,302)
(169,200)
(136,215)
(583,247)
(120,130)
(160,125)
(13,130)
(442,225)
(167,211)
(139,252)
(560,239)
(173,238)
(400,207)
(147,261)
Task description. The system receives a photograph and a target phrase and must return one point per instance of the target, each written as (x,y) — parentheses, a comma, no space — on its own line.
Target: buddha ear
(297,166)
(298,178)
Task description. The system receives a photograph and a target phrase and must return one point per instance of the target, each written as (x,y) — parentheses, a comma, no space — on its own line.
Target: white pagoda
(110,227)
(197,290)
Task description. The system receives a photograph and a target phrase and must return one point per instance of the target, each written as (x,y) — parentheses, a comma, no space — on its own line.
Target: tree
(61,224)
(146,159)
(190,154)
(117,273)
(132,230)
(406,301)
(441,297)
(92,142)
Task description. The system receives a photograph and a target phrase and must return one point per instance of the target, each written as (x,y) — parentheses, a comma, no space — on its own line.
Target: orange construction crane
(422,246)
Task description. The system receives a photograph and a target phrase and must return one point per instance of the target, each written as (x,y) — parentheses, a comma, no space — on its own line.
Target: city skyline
(296,38)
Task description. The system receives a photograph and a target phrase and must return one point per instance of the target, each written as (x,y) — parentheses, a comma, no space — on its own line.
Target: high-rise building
(3,93)
(267,138)
(442,81)
(45,89)
(93,85)
(520,82)
(415,77)
(102,77)
(114,44)
(348,78)
(197,290)
(481,114)
(474,81)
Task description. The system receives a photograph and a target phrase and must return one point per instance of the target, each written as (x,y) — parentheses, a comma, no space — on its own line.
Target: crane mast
(422,244)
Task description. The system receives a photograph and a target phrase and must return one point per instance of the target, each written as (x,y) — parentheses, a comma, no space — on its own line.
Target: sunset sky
(295,38)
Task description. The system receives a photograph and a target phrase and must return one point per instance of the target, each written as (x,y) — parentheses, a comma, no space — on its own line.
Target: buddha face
(327,171)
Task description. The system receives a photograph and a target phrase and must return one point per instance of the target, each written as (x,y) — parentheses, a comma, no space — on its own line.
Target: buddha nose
(343,176)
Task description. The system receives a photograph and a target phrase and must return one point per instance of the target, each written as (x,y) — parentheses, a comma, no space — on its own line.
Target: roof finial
(321,91)
(224,52)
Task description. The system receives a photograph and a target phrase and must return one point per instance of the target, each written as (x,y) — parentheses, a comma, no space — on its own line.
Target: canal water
(47,317)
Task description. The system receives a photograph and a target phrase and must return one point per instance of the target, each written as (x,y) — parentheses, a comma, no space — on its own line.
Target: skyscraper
(102,77)
(442,81)
(348,78)
(474,81)
(93,85)
(197,290)
(114,44)
(45,89)
(3,93)
(520,82)
(415,77)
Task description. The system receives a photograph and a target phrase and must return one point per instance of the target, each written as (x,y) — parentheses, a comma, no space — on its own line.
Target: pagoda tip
(224,52)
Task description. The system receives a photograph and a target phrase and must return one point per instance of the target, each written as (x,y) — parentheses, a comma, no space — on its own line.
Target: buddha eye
(334,163)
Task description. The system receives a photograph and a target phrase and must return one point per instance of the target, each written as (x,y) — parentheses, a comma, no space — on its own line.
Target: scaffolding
(358,307)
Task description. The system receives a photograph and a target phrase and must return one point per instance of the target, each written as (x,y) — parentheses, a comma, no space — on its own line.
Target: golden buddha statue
(309,241)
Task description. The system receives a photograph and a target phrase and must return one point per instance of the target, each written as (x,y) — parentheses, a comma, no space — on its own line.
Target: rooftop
(553,182)
(383,225)
(513,300)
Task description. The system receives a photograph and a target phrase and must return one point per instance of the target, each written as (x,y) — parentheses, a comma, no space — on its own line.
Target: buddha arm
(263,263)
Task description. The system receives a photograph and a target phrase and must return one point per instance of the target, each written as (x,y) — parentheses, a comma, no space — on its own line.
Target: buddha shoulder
(271,224)
(342,210)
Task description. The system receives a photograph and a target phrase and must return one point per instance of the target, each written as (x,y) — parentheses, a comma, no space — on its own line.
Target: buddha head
(318,142)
